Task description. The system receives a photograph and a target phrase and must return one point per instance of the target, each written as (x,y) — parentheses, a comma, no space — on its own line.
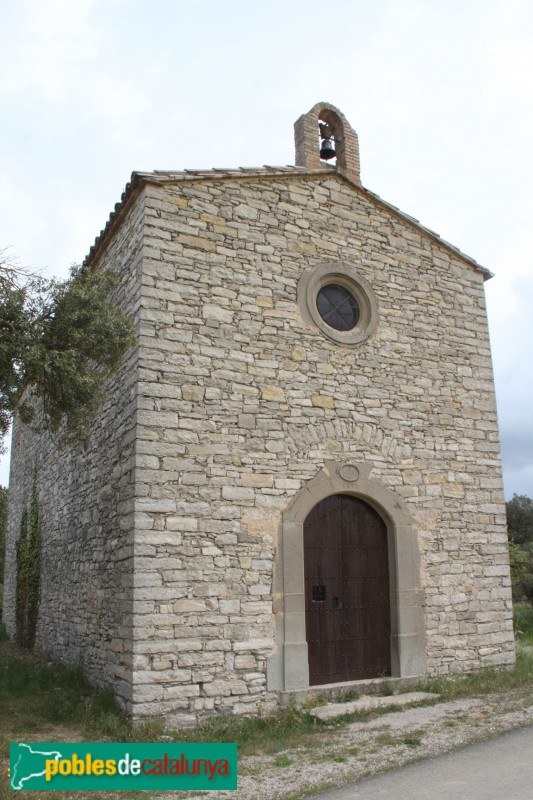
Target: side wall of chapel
(86,504)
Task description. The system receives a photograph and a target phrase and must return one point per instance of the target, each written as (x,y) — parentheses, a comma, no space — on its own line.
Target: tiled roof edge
(139,179)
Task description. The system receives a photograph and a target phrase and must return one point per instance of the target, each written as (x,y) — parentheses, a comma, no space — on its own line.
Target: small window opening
(319,594)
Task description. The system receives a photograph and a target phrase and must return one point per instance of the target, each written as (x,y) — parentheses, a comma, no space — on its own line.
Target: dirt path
(364,748)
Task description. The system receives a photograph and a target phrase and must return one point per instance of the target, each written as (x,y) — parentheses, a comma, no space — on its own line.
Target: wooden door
(347,603)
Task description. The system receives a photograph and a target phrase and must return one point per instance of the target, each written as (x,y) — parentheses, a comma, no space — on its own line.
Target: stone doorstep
(336,691)
(369,702)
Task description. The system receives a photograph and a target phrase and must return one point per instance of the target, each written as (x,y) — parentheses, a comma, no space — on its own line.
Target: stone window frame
(288,667)
(313,280)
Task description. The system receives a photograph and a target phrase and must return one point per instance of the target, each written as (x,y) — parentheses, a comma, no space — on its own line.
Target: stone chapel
(295,480)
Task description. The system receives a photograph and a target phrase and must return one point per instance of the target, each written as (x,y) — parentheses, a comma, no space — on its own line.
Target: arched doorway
(347,597)
(288,665)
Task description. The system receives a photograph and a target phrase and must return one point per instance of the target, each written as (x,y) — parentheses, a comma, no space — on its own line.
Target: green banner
(116,767)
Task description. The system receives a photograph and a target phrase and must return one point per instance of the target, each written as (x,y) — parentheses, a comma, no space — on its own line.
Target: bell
(327,150)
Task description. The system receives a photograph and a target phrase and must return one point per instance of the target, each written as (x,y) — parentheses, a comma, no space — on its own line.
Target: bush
(523,619)
(520,532)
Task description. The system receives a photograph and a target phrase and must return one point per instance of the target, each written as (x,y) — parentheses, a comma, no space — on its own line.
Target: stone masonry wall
(160,538)
(86,504)
(241,402)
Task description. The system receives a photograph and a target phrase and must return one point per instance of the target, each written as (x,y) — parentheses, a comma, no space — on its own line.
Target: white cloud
(439,93)
(52,41)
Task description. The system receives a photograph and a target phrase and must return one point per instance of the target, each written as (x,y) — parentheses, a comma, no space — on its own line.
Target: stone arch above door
(288,668)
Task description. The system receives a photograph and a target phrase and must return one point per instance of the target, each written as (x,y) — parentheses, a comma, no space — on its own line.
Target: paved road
(498,769)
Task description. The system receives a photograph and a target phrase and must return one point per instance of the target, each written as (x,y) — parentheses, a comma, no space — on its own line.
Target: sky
(439,92)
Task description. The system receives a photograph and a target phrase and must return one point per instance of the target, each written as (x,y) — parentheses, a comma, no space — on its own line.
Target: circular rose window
(339,302)
(338,307)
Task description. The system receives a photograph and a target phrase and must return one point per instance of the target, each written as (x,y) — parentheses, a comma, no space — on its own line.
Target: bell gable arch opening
(306,136)
(288,668)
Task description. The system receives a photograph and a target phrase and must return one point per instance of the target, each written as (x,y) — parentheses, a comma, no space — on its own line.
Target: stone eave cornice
(141,179)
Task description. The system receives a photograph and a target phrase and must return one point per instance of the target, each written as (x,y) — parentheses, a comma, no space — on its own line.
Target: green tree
(521,562)
(520,519)
(59,342)
(520,532)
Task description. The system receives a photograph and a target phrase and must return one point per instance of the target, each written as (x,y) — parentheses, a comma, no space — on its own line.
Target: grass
(283,761)
(523,623)
(389,739)
(35,695)
(34,692)
(484,681)
(288,727)
(413,739)
(345,697)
